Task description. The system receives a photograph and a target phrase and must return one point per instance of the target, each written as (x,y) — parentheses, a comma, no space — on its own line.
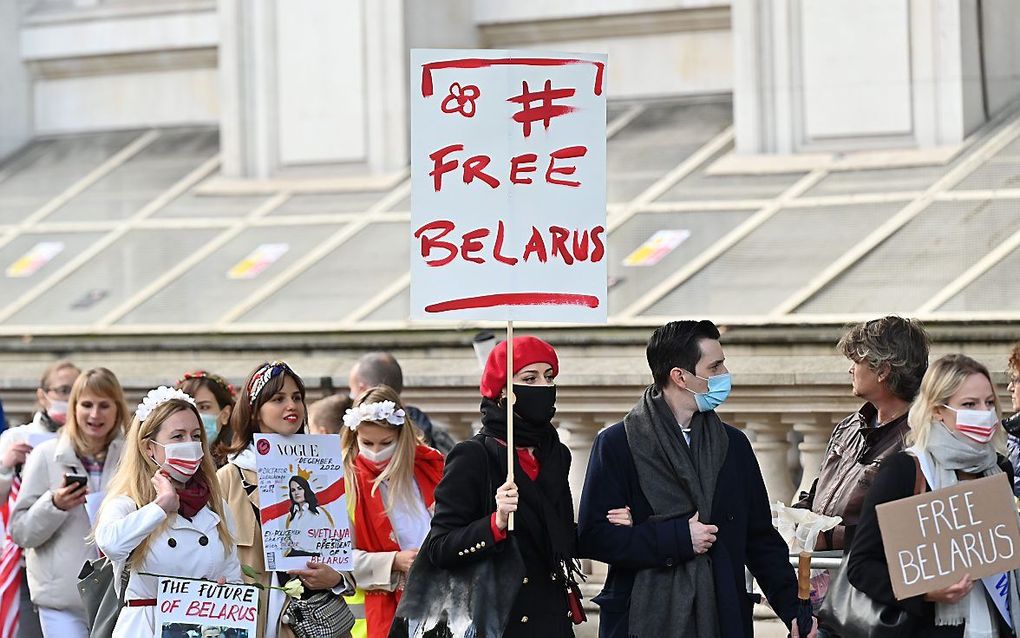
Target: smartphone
(80,479)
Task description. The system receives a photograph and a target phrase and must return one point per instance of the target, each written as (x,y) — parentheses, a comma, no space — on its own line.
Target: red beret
(527,350)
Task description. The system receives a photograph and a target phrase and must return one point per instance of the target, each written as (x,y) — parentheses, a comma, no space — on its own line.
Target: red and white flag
(10,569)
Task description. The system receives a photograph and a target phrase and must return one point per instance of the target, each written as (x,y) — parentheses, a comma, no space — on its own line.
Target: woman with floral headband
(214,398)
(272,401)
(393,475)
(163,513)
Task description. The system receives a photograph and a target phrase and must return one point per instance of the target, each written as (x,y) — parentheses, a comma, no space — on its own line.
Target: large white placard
(302,501)
(508,180)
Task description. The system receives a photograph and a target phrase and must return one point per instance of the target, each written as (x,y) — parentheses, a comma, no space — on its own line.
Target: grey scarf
(946,453)
(678,480)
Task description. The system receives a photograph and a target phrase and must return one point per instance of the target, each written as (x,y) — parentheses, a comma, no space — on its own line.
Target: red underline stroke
(515,299)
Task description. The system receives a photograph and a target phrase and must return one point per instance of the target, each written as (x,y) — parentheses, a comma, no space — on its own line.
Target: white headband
(382,411)
(159,396)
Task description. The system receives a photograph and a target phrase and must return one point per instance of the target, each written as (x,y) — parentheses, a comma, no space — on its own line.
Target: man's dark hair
(677,345)
(900,343)
(380,368)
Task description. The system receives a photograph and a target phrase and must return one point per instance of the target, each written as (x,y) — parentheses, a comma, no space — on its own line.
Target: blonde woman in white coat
(163,513)
(49,518)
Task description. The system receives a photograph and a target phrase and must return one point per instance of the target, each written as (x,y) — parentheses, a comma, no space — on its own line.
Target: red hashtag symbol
(546,112)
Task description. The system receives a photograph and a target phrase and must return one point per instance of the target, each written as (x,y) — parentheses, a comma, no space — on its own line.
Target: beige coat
(54,538)
(249,536)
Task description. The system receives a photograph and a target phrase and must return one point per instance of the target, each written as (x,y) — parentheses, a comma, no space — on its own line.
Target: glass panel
(48,167)
(628,283)
(142,178)
(657,141)
(995,291)
(105,281)
(920,259)
(700,186)
(882,180)
(342,281)
(211,206)
(325,203)
(208,291)
(767,266)
(1001,171)
(397,308)
(30,258)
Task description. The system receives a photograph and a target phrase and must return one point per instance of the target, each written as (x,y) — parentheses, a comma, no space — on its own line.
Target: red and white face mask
(182,459)
(977,425)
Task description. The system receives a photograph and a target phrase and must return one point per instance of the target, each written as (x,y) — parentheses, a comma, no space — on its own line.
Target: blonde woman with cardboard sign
(955,436)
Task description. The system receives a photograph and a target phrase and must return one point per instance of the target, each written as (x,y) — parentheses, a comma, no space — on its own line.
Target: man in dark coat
(698,503)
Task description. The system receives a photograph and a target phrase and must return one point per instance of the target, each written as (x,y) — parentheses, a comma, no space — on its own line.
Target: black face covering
(536,404)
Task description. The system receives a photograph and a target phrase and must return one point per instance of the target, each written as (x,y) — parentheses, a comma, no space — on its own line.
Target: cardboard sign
(205,609)
(933,539)
(302,501)
(508,186)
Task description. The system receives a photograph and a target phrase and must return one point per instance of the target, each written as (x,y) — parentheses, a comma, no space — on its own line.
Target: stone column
(816,429)
(770,445)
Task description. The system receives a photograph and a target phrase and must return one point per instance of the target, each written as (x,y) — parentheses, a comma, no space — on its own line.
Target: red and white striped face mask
(182,459)
(977,425)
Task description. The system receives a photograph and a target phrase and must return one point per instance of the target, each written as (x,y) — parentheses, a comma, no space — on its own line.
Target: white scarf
(944,454)
(245,459)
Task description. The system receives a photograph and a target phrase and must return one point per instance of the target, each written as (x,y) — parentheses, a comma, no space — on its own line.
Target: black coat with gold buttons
(462,532)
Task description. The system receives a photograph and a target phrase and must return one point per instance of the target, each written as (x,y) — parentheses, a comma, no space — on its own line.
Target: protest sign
(302,501)
(35,439)
(508,186)
(933,539)
(187,607)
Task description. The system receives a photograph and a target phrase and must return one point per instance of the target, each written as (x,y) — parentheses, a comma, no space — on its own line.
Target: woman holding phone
(49,518)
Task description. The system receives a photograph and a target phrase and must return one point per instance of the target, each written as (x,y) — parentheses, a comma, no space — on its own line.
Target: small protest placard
(187,607)
(933,539)
(508,185)
(302,501)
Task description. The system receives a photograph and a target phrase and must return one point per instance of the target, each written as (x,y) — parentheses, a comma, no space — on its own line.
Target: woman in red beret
(529,589)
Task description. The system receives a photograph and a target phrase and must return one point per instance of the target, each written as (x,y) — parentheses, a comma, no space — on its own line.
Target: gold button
(524,619)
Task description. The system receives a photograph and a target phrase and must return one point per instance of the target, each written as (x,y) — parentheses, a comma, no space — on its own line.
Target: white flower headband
(159,396)
(382,411)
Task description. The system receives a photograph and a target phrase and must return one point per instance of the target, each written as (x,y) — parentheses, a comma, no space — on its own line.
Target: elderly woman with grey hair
(888,358)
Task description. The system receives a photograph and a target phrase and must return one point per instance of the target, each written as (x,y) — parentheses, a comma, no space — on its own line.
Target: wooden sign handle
(804,576)
(510,450)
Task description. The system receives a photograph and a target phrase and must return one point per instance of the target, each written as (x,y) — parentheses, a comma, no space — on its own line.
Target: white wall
(320,81)
(660,65)
(15,96)
(126,100)
(850,89)
(1002,52)
(496,11)
(123,69)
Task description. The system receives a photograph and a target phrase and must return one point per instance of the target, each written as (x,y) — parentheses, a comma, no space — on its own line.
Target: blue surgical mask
(211,424)
(718,391)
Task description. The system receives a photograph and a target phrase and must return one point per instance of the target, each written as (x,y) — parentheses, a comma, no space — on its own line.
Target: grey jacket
(54,539)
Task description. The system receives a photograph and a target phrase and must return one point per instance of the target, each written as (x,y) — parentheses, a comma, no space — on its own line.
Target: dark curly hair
(902,344)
